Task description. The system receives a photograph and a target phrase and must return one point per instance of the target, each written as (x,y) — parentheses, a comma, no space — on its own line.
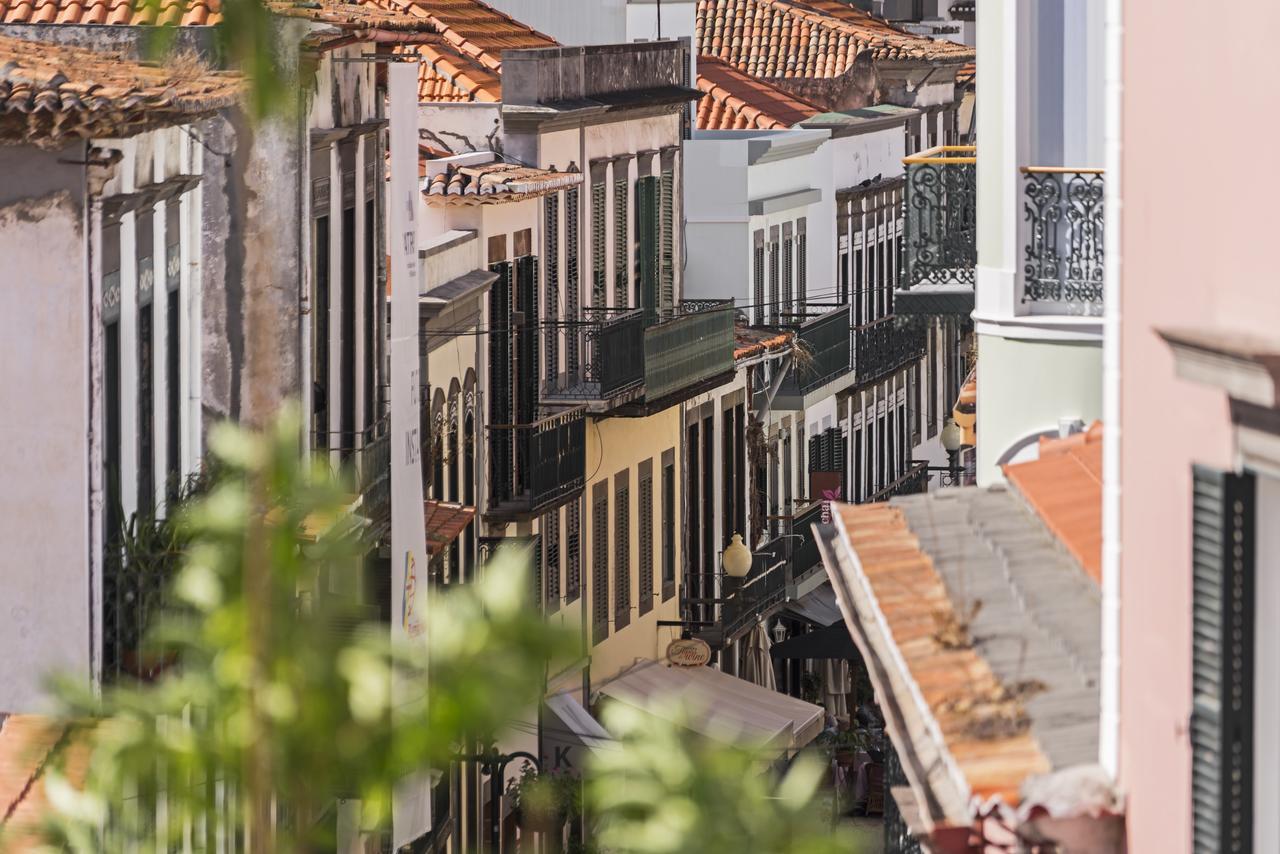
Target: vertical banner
(411,810)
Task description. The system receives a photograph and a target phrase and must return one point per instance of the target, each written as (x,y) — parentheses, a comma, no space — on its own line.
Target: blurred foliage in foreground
(284,701)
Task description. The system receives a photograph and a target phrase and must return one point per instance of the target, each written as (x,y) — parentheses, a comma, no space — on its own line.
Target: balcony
(547,465)
(1062,240)
(777,568)
(913,482)
(940,247)
(885,346)
(637,369)
(824,341)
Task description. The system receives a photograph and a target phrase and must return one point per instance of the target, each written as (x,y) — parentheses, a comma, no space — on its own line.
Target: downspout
(305,402)
(1109,722)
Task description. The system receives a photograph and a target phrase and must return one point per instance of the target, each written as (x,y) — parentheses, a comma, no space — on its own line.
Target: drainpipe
(1109,728)
(305,402)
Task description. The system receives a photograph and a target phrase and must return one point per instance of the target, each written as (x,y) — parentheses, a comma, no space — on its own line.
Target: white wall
(45,319)
(572,22)
(1266,751)
(678,19)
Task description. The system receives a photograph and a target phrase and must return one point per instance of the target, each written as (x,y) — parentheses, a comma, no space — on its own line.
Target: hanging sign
(688,652)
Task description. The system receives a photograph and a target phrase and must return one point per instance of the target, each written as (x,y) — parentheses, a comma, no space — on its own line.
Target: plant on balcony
(543,802)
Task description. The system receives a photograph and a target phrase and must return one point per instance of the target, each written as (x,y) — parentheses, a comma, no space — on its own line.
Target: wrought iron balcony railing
(549,465)
(611,342)
(1063,251)
(694,345)
(913,482)
(941,245)
(775,569)
(882,347)
(824,343)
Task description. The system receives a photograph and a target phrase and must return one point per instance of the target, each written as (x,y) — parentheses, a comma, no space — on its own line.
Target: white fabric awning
(724,707)
(574,723)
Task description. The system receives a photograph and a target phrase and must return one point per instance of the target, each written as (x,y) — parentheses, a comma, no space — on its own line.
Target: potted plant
(543,802)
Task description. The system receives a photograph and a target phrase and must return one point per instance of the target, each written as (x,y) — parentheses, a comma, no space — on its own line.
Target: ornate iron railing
(694,345)
(882,347)
(1063,251)
(913,482)
(611,341)
(550,468)
(941,245)
(824,343)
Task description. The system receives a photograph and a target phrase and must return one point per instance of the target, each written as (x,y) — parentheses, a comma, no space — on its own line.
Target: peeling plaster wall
(45,323)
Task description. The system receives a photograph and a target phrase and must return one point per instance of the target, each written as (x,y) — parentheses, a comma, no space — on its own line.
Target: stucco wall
(1027,386)
(45,319)
(1177,270)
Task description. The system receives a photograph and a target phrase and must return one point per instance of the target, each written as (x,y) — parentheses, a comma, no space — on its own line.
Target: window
(468,492)
(728,487)
(645,545)
(371,287)
(526,302)
(933,380)
(572,297)
(551,559)
(599,286)
(857,490)
(757,277)
(348,322)
(647,246)
(573,551)
(600,562)
(668,524)
(667,286)
(1222,660)
(788,267)
(622,550)
(111,451)
(802,263)
(501,393)
(173,349)
(773,272)
(145,247)
(320,300)
(693,540)
(551,284)
(621,242)
(709,562)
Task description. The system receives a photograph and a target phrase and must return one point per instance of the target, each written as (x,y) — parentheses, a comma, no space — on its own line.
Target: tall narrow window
(693,532)
(468,490)
(622,550)
(647,246)
(551,559)
(573,297)
(372,292)
(1223,611)
(573,551)
(645,545)
(740,468)
(667,207)
(668,524)
(145,246)
(621,240)
(858,490)
(773,273)
(551,285)
(347,361)
(757,277)
(802,264)
(173,348)
(501,389)
(111,450)
(320,300)
(599,282)
(729,486)
(709,544)
(600,562)
(788,272)
(842,251)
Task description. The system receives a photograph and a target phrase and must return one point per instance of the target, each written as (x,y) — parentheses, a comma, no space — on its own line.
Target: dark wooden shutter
(646,541)
(600,562)
(1222,615)
(551,559)
(668,249)
(572,295)
(501,411)
(551,285)
(598,283)
(757,277)
(621,240)
(647,257)
(573,550)
(622,551)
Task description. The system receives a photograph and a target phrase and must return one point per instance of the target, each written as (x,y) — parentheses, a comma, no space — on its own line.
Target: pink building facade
(1196,324)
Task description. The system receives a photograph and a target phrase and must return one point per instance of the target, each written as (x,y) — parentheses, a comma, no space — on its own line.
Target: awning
(725,707)
(818,606)
(567,729)
(444,523)
(828,642)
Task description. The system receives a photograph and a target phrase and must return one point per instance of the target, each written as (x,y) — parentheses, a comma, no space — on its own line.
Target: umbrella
(758,666)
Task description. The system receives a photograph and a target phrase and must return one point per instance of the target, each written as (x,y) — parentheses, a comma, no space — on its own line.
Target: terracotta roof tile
(737,101)
(807,38)
(195,13)
(1064,487)
(445,522)
(52,93)
(467,65)
(494,183)
(914,601)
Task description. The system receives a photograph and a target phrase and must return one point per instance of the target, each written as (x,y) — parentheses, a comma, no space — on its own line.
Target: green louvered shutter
(668,248)
(621,241)
(647,190)
(500,387)
(1222,638)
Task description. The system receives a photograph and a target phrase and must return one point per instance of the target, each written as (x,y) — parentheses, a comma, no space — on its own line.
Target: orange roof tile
(27,744)
(52,93)
(807,38)
(495,182)
(444,523)
(196,13)
(737,101)
(467,65)
(956,682)
(1064,487)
